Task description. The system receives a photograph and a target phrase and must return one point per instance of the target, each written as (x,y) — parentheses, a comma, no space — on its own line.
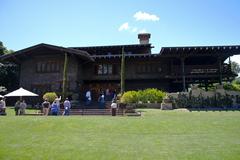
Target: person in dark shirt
(45,107)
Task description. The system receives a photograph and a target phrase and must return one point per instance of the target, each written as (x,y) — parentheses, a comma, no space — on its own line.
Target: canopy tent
(20,93)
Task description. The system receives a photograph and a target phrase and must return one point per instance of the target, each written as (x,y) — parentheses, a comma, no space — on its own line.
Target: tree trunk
(123,72)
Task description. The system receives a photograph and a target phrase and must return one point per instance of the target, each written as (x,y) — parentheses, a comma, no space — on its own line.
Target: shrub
(151,95)
(50,96)
(232,86)
(130,97)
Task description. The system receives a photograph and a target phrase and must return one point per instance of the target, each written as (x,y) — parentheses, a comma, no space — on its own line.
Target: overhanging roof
(114,46)
(82,54)
(227,50)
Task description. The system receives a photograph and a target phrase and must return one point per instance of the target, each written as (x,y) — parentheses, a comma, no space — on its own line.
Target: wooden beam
(183,74)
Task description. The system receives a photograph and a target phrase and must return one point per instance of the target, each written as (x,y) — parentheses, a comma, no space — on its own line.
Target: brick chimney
(144,38)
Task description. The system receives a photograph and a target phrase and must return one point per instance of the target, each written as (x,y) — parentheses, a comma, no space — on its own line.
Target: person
(67,106)
(101,101)
(45,106)
(17,107)
(22,106)
(114,107)
(88,98)
(58,102)
(114,95)
(2,107)
(54,108)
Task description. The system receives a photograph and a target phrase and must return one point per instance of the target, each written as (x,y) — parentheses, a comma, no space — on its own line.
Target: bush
(50,96)
(148,95)
(232,86)
(130,97)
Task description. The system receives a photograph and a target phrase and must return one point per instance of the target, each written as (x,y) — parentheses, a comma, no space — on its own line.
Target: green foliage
(4,50)
(183,101)
(130,97)
(148,95)
(9,76)
(234,86)
(50,96)
(235,67)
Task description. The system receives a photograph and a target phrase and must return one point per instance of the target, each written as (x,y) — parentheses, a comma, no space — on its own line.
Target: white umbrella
(20,92)
(1,96)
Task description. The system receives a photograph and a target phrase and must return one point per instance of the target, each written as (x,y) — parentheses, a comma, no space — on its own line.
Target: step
(92,112)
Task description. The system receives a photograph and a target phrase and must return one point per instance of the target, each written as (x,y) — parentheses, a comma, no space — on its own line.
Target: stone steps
(92,112)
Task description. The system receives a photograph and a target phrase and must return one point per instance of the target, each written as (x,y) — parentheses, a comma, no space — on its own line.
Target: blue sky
(85,23)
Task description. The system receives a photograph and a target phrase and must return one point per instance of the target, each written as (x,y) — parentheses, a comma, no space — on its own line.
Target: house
(98,67)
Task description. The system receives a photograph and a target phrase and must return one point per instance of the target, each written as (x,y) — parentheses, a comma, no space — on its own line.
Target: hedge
(151,95)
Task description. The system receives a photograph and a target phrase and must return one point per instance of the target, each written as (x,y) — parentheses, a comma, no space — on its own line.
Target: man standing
(67,106)
(23,106)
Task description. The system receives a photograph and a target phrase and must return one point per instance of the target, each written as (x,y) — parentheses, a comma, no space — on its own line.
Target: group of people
(101,100)
(20,107)
(54,108)
(103,96)
(2,107)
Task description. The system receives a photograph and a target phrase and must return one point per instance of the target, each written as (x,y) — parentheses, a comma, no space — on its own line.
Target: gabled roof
(83,54)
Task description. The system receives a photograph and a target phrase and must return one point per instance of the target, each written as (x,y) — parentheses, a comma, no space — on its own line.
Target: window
(104,69)
(147,68)
(47,67)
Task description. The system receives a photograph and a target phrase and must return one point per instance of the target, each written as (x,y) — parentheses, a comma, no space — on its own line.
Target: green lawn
(156,135)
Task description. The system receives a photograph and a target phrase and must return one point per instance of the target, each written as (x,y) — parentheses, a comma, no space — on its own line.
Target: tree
(4,50)
(123,72)
(9,72)
(235,67)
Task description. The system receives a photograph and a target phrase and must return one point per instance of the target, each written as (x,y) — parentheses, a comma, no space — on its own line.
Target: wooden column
(220,70)
(183,74)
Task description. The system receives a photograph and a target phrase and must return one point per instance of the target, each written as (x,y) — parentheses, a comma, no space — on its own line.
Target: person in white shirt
(88,98)
(114,107)
(67,106)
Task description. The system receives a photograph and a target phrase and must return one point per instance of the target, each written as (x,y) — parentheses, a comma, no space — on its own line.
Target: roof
(228,49)
(126,55)
(114,46)
(83,54)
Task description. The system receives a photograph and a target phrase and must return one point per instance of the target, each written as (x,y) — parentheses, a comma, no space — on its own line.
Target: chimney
(144,38)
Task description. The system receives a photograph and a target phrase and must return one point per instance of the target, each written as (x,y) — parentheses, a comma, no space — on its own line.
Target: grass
(156,135)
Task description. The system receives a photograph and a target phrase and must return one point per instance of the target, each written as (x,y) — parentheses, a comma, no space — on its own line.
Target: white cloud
(143,31)
(143,16)
(124,26)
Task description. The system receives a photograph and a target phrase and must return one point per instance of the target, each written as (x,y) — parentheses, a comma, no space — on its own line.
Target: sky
(72,23)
